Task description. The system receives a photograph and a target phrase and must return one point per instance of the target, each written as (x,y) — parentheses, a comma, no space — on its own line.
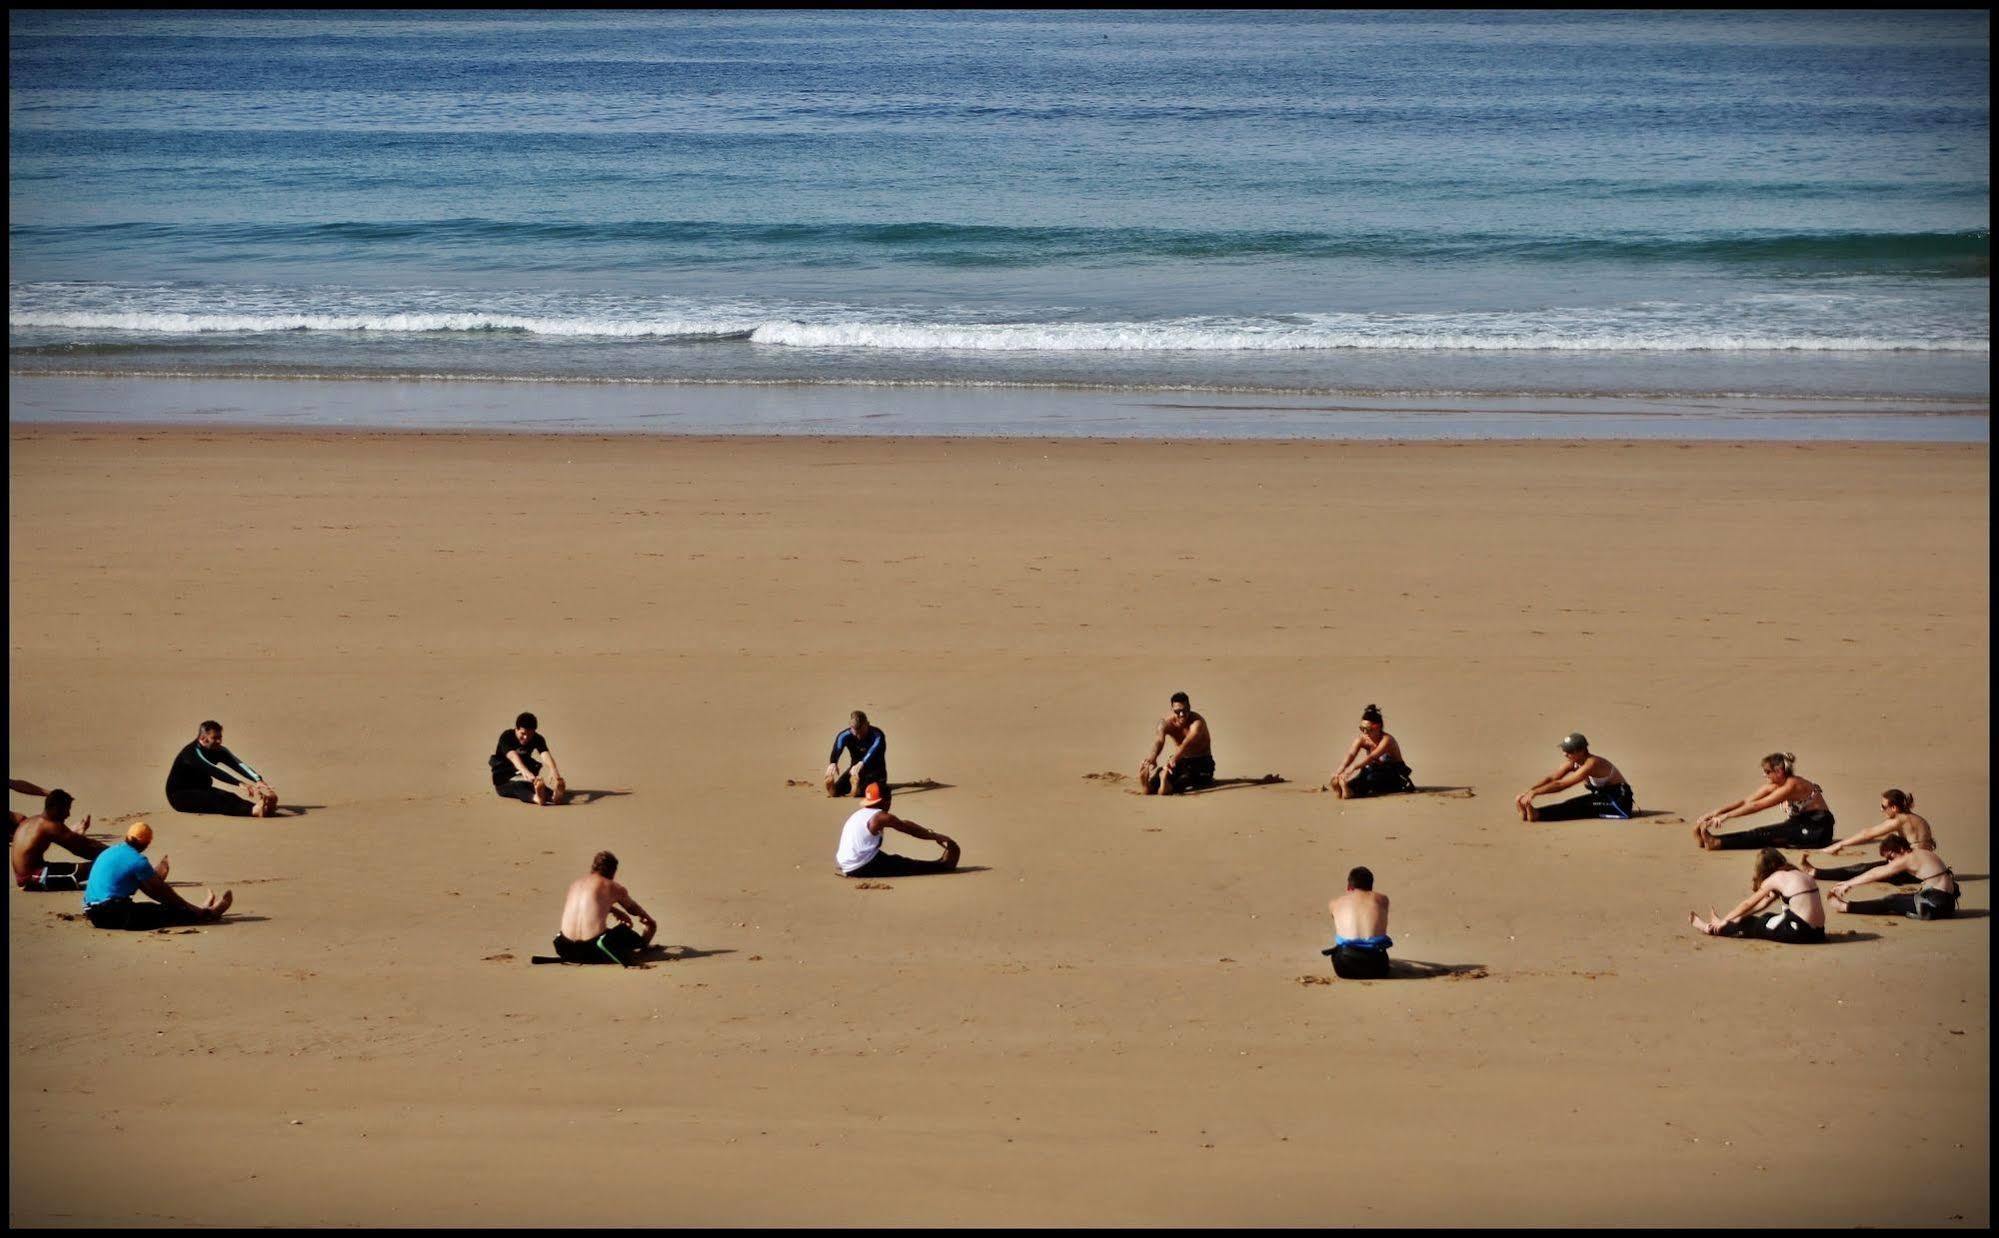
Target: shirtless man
(33,836)
(1192,763)
(122,871)
(1360,930)
(1609,795)
(518,774)
(860,851)
(1899,821)
(1935,897)
(191,781)
(591,898)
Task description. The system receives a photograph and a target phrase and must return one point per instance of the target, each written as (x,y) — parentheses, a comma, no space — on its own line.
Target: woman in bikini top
(1782,785)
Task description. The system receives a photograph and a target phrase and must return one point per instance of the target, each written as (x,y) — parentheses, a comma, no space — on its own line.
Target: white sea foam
(1565,331)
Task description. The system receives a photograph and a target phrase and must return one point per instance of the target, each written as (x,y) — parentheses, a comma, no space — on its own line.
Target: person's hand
(160,869)
(1835,849)
(1839,891)
(86,824)
(833,769)
(1523,799)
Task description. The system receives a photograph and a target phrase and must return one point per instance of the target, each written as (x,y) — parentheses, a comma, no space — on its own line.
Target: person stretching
(1807,820)
(1360,930)
(1800,915)
(191,782)
(36,835)
(1898,821)
(592,897)
(1608,795)
(1192,764)
(1376,761)
(517,774)
(122,871)
(860,853)
(1934,898)
(866,747)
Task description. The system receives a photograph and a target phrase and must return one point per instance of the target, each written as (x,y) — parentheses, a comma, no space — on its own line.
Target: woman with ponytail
(1374,764)
(1807,820)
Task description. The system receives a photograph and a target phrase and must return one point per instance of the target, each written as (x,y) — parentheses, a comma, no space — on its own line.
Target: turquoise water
(1728,203)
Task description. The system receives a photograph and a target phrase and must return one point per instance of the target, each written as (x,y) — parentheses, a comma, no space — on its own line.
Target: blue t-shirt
(117,873)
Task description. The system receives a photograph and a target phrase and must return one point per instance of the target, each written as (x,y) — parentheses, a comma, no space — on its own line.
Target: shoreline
(845,409)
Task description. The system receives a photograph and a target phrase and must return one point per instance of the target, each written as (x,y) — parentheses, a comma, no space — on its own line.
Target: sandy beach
(1104,1019)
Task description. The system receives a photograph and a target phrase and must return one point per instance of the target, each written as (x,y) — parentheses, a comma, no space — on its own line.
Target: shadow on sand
(591,797)
(1230,784)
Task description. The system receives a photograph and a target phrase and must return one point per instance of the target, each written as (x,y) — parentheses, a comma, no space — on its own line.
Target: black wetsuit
(1613,803)
(504,771)
(868,761)
(191,782)
(1926,903)
(1805,830)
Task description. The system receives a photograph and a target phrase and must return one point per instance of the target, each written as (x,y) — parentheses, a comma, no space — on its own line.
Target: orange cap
(139,834)
(875,795)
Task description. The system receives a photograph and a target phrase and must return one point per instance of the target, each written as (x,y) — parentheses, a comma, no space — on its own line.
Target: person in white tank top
(860,852)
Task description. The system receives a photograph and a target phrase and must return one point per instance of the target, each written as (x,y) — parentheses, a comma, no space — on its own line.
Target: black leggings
(1915,904)
(1359,964)
(1610,803)
(1380,778)
(617,946)
(213,801)
(516,789)
(1790,929)
(132,916)
(889,864)
(1810,830)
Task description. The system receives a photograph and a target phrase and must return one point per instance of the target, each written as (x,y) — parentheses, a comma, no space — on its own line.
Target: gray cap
(1576,742)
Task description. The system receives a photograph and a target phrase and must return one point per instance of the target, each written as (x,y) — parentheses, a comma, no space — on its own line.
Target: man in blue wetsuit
(1360,930)
(866,747)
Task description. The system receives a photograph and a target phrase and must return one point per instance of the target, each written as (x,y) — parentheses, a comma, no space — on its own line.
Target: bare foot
(559,794)
(261,808)
(217,908)
(1694,918)
(950,853)
(1705,840)
(1835,902)
(540,793)
(1339,788)
(1805,862)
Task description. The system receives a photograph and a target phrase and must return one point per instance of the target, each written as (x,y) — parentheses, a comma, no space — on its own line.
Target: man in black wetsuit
(191,782)
(518,763)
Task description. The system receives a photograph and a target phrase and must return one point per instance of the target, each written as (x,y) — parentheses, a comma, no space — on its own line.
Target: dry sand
(1103,1020)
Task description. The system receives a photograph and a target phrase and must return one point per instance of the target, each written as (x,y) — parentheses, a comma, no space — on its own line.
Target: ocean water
(1746,206)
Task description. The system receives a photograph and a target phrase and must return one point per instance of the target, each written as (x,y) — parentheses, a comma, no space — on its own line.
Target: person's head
(56,806)
(1360,879)
(1778,765)
(1894,800)
(139,835)
(525,726)
(1769,860)
(210,734)
(859,719)
(877,796)
(1179,704)
(604,864)
(1370,719)
(1575,744)
(1894,845)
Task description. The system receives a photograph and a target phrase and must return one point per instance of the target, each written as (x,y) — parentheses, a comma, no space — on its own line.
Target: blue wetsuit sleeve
(878,748)
(221,768)
(839,746)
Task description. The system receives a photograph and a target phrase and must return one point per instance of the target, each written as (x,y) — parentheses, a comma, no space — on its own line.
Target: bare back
(1799,892)
(1360,913)
(31,844)
(1916,830)
(590,900)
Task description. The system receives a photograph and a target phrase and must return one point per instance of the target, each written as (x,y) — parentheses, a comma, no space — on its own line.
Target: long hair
(1769,860)
(1786,761)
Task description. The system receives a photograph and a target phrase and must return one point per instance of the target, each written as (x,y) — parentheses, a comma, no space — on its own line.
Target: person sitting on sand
(860,853)
(1898,818)
(33,836)
(592,898)
(1791,895)
(866,747)
(122,871)
(1360,930)
(1192,763)
(1934,898)
(1608,795)
(1376,761)
(191,782)
(1807,820)
(517,773)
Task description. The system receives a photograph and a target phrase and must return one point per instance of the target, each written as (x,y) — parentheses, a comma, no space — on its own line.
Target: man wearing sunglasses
(1192,763)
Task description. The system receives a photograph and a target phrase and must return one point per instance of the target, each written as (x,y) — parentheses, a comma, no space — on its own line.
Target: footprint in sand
(1109,775)
(1315,980)
(874,885)
(502,957)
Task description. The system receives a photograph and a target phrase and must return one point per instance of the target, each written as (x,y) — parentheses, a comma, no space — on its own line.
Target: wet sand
(1113,1015)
